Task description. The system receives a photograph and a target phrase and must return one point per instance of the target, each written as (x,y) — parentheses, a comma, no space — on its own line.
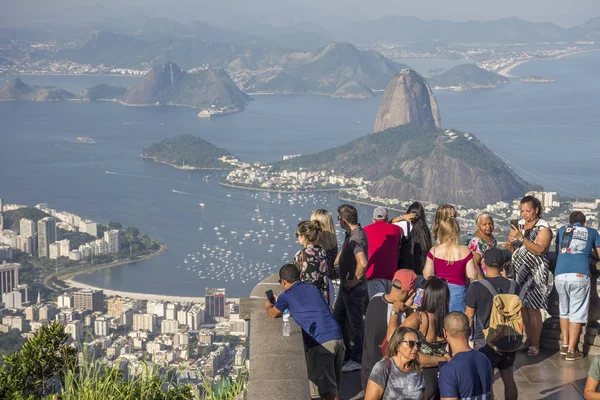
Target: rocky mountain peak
(407,99)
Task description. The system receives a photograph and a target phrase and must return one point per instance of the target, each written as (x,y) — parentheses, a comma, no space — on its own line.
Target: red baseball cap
(407,279)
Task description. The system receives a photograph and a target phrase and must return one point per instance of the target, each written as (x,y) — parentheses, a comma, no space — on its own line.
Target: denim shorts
(573,296)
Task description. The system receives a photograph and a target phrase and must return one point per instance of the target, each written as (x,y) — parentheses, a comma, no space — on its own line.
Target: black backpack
(406,253)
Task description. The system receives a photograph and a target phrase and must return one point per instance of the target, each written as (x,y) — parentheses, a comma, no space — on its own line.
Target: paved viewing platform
(278,365)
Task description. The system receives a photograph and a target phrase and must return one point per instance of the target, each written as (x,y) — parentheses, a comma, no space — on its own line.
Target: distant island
(465,77)
(536,79)
(16,89)
(102,92)
(190,152)
(209,90)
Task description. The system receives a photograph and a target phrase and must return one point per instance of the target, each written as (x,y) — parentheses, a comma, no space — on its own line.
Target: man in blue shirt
(321,333)
(574,245)
(469,375)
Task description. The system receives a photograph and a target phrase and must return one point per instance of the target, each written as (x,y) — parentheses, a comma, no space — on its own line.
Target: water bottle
(286,323)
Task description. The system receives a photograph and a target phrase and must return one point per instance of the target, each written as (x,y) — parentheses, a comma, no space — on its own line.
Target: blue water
(546,131)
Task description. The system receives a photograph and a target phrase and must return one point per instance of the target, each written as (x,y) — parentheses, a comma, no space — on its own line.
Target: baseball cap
(494,257)
(407,278)
(380,213)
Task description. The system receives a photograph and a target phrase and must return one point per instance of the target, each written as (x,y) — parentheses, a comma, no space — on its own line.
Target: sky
(323,12)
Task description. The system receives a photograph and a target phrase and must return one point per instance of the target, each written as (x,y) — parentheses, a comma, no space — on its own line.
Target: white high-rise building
(112,239)
(182,317)
(89,227)
(101,326)
(169,326)
(65,301)
(53,251)
(64,247)
(46,228)
(144,322)
(75,329)
(171,311)
(157,308)
(9,276)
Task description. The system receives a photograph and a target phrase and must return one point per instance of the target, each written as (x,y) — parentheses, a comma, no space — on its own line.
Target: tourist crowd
(423,316)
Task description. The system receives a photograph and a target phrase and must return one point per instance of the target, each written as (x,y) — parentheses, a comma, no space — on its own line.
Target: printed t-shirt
(575,244)
(309,309)
(354,243)
(400,384)
(479,298)
(467,376)
(384,241)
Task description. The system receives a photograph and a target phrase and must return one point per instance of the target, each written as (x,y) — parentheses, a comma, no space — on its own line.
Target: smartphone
(515,223)
(270,296)
(418,298)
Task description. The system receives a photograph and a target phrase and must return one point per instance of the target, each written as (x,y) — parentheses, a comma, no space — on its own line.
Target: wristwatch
(393,312)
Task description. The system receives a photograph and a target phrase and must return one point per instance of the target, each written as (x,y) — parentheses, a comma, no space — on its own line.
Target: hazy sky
(563,12)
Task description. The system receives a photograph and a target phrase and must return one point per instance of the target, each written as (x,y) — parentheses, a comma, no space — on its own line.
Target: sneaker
(563,350)
(351,366)
(574,355)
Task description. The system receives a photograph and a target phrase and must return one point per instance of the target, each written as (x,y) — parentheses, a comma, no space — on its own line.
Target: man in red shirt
(384,242)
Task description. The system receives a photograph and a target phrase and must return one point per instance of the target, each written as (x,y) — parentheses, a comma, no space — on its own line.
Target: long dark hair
(436,299)
(420,230)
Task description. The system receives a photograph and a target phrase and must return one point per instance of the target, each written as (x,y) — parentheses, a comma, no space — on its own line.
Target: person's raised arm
(272,311)
(541,244)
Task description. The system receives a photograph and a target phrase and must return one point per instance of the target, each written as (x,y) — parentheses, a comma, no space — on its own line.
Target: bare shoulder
(412,321)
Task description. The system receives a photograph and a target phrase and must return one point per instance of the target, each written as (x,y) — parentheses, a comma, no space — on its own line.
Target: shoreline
(506,71)
(184,168)
(69,276)
(279,191)
(144,296)
(371,204)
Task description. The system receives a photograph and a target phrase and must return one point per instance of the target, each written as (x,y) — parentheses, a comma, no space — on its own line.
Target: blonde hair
(327,238)
(396,341)
(443,212)
(449,232)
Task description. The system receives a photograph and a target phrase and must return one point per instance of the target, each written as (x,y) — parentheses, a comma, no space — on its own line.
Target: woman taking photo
(428,321)
(311,261)
(529,243)
(483,239)
(416,239)
(451,261)
(398,375)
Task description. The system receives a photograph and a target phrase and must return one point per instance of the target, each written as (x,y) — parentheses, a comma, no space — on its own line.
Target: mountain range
(16,89)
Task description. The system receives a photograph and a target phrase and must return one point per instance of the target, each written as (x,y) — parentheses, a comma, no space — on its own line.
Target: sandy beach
(507,70)
(144,296)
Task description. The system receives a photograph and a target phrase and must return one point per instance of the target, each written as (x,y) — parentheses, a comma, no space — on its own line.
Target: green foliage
(39,367)
(13,218)
(226,389)
(10,342)
(103,92)
(189,150)
(94,381)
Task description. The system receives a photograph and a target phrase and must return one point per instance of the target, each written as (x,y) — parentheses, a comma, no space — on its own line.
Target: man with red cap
(378,314)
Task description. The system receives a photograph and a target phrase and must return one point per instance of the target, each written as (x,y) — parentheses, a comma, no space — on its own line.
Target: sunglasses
(296,234)
(412,343)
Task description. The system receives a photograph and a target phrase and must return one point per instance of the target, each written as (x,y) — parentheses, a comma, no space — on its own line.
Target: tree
(39,368)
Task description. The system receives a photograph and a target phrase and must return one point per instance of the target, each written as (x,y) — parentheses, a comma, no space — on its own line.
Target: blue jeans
(348,312)
(457,297)
(573,296)
(378,286)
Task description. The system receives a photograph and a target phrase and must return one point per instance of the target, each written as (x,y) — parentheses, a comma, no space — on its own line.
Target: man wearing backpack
(497,335)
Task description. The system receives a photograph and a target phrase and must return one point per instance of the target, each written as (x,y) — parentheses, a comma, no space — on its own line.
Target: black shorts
(499,360)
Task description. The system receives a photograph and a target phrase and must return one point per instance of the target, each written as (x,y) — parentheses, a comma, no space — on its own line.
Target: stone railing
(277,363)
